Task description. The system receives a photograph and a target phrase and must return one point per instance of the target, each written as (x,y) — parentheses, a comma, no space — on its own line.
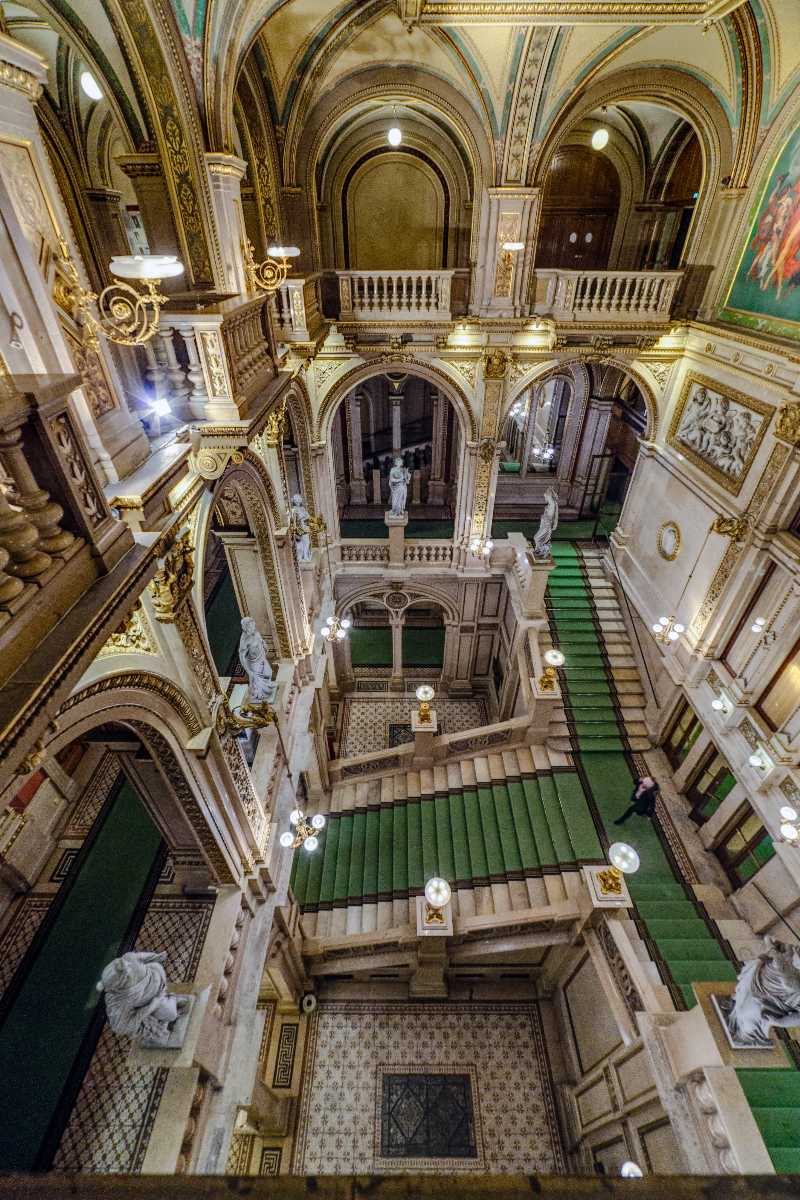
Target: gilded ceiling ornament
(495,364)
(787,426)
(171,583)
(132,636)
(210,462)
(736,528)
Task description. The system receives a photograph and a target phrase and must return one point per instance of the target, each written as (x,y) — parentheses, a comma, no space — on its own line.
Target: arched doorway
(579,210)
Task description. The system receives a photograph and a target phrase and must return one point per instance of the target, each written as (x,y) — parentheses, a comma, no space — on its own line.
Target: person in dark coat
(643,799)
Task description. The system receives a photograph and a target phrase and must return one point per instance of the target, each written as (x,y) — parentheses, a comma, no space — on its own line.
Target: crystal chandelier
(335,628)
(305,831)
(667,629)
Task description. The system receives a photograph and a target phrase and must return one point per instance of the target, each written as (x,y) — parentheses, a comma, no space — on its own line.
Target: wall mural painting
(720,432)
(765,293)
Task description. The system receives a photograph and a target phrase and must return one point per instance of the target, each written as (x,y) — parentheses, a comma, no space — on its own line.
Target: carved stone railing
(364,552)
(297,309)
(645,296)
(428,553)
(57,532)
(395,295)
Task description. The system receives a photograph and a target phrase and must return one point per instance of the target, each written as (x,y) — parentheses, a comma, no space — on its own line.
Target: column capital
(21,69)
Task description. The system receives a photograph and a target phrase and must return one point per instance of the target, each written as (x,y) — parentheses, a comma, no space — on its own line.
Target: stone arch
(299,407)
(549,370)
(345,383)
(416,591)
(162,716)
(673,88)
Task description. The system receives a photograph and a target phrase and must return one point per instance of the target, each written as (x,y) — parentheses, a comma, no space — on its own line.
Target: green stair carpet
(676,931)
(490,833)
(50,1008)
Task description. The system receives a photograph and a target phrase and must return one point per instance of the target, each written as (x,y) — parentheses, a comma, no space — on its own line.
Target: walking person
(643,799)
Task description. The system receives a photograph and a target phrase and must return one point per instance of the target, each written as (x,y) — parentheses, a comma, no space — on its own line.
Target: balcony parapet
(395,295)
(630,297)
(297,310)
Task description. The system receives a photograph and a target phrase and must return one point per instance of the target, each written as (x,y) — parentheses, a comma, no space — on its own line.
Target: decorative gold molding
(173,581)
(787,425)
(495,364)
(20,81)
(736,528)
(133,636)
(673,554)
(143,681)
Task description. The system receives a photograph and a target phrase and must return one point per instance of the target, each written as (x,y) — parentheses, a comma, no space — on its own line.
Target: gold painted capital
(787,425)
(171,583)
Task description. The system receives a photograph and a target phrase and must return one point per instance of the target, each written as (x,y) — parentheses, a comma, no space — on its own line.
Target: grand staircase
(508,830)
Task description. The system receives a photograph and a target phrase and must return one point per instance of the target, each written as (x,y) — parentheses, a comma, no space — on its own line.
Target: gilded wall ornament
(668,540)
(275,428)
(736,528)
(171,583)
(787,426)
(132,636)
(487,449)
(495,364)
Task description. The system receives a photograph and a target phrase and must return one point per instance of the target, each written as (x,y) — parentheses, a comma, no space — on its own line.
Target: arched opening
(534,429)
(579,210)
(391,415)
(423,637)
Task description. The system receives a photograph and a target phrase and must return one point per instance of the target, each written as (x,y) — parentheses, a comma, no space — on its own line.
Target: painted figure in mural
(767,994)
(253,657)
(302,536)
(548,524)
(399,479)
(137,1001)
(776,239)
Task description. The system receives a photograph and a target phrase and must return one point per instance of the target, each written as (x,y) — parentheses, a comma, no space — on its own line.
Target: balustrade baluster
(42,512)
(580,289)
(197,380)
(9,586)
(648,295)
(20,538)
(615,282)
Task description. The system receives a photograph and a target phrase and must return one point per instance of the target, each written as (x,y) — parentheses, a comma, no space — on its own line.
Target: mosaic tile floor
(353,1044)
(366,723)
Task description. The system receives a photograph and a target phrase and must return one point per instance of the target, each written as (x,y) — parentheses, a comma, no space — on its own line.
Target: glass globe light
(789,831)
(145,266)
(788,813)
(488,547)
(437,892)
(346,622)
(283,251)
(395,136)
(513,246)
(673,635)
(341,633)
(679,628)
(599,139)
(663,620)
(631,1170)
(554,658)
(286,840)
(657,628)
(318,821)
(623,857)
(759,621)
(718,705)
(310,844)
(425,692)
(295,816)
(90,86)
(755,760)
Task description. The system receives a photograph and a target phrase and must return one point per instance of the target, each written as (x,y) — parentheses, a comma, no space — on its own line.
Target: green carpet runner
(673,924)
(50,1008)
(487,834)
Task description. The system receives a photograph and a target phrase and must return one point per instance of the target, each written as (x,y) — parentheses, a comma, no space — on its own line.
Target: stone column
(436,485)
(358,487)
(109,227)
(502,279)
(449,654)
(396,681)
(147,177)
(397,435)
(226,172)
(593,440)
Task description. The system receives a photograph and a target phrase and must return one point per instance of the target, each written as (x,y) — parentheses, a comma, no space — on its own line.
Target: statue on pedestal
(767,994)
(548,524)
(399,479)
(137,1001)
(253,657)
(300,530)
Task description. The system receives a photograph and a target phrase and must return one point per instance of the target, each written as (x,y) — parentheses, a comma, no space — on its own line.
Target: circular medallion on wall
(396,600)
(668,540)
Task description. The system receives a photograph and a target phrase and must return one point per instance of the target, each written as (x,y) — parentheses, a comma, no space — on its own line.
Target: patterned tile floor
(366,723)
(352,1044)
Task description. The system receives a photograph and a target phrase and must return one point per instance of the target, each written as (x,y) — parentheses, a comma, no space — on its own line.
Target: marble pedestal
(396,526)
(424,733)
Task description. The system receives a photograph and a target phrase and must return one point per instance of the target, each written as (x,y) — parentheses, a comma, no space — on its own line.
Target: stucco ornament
(300,528)
(787,425)
(137,1001)
(399,479)
(548,523)
(253,657)
(767,994)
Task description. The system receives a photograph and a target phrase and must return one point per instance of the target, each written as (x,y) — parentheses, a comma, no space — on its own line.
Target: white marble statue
(548,524)
(767,993)
(137,1001)
(399,479)
(302,534)
(253,657)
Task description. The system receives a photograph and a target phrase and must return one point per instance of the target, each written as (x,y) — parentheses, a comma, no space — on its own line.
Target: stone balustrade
(645,296)
(395,295)
(297,309)
(364,552)
(428,553)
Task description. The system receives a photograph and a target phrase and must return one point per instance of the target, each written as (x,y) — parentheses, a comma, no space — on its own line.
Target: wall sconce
(267,276)
(760,761)
(553,659)
(127,317)
(424,694)
(758,625)
(483,546)
(335,628)
(789,829)
(631,1170)
(722,704)
(305,831)
(667,629)
(437,895)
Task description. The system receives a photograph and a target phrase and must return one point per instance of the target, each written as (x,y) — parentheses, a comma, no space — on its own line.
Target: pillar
(397,434)
(528,432)
(226,172)
(436,484)
(396,680)
(108,224)
(502,279)
(147,177)
(358,487)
